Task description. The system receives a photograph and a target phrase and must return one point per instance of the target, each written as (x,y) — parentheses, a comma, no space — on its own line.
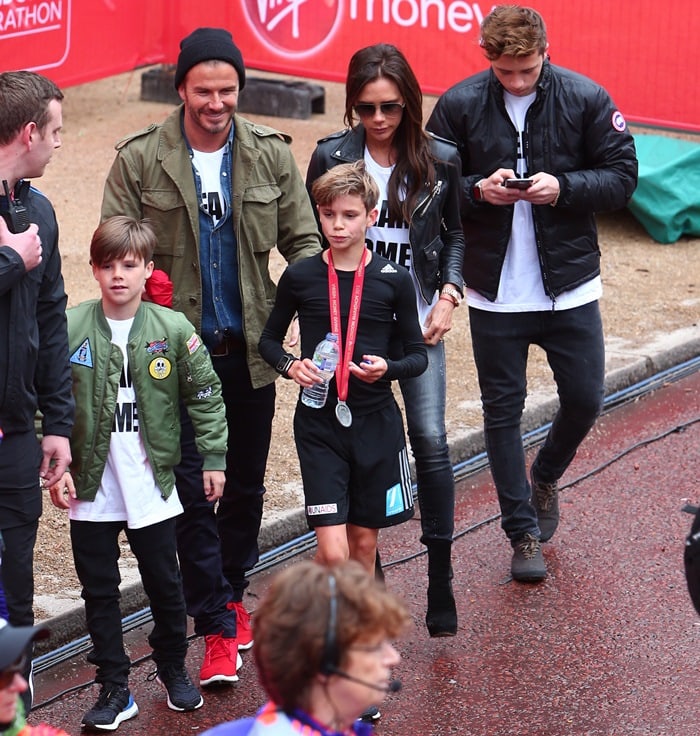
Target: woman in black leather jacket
(419,228)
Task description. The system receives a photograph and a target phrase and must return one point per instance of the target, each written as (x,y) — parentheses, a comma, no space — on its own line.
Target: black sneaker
(371,715)
(182,694)
(114,705)
(528,565)
(545,497)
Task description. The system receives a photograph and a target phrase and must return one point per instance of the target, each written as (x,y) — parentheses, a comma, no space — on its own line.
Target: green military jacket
(152,177)
(167,363)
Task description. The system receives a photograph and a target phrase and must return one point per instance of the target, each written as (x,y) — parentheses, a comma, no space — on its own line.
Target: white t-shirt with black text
(390,239)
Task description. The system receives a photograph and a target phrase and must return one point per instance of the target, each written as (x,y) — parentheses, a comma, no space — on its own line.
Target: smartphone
(517,183)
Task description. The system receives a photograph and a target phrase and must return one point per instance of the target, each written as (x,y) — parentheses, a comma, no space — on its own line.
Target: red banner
(644,52)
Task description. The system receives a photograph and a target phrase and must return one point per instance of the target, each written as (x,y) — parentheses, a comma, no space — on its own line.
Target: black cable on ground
(462,470)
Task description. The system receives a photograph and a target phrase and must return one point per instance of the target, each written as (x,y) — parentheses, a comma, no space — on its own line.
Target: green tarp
(667,198)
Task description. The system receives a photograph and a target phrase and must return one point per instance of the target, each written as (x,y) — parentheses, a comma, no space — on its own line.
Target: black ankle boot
(441,618)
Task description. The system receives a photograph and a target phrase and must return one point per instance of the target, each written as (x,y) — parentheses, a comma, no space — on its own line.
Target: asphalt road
(607,645)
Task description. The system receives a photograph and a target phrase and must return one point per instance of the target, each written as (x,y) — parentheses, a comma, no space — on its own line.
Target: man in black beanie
(221,192)
(205,44)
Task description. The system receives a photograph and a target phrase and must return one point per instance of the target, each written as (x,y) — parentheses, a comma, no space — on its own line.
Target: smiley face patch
(160,368)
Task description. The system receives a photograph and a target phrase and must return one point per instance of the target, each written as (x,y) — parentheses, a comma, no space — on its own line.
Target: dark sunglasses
(388,109)
(8,674)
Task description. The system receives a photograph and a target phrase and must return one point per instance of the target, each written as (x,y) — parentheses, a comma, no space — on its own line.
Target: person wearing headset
(323,649)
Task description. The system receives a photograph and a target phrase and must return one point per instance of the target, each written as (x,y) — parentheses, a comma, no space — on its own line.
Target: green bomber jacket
(167,363)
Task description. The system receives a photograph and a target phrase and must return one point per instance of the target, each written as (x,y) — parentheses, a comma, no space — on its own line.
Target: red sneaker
(244,634)
(221,661)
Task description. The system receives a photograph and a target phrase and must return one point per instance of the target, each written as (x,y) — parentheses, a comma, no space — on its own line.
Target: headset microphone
(392,687)
(330,656)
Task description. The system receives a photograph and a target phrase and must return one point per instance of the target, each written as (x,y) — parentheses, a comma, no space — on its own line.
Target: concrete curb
(633,366)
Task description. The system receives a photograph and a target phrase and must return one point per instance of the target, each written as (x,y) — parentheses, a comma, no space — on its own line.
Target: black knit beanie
(205,44)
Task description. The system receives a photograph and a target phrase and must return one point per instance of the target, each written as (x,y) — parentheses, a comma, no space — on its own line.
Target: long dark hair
(414,164)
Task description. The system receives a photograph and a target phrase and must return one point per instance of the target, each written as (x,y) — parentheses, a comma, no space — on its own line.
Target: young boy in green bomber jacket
(132,365)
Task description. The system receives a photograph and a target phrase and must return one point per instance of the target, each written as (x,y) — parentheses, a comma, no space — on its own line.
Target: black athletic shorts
(358,475)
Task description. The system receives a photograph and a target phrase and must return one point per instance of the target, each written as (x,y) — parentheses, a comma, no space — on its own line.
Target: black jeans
(216,551)
(573,342)
(20,509)
(96,552)
(17,572)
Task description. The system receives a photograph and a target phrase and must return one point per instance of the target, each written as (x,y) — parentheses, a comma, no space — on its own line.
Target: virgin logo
(294,27)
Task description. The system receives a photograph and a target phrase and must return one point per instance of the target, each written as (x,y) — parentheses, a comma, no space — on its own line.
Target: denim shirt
(222,312)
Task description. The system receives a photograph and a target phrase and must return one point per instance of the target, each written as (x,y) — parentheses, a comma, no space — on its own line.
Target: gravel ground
(651,290)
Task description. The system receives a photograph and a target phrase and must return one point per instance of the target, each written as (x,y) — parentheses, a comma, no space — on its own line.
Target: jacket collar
(351,146)
(543,83)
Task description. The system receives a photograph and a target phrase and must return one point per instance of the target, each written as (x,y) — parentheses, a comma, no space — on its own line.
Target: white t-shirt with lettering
(390,239)
(208,166)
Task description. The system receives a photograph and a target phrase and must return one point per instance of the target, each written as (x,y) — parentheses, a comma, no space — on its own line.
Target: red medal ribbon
(342,372)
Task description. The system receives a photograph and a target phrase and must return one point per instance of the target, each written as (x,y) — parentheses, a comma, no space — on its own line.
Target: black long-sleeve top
(388,324)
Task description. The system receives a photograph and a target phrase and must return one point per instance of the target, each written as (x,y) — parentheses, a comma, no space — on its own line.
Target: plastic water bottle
(325,358)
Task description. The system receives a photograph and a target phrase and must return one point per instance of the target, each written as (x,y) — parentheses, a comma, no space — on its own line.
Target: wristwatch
(477,191)
(284,364)
(452,293)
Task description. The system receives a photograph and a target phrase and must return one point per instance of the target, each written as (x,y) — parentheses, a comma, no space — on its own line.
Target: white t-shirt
(520,288)
(390,239)
(128,490)
(208,166)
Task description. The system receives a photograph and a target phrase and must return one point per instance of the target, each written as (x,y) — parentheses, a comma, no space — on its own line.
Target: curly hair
(512,30)
(291,624)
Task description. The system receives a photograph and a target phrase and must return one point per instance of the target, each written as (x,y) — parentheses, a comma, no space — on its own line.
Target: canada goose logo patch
(618,121)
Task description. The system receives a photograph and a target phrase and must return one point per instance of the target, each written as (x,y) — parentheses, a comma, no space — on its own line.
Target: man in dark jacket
(543,149)
(34,368)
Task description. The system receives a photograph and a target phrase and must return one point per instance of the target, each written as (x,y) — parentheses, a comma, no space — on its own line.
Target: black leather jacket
(34,367)
(573,131)
(435,232)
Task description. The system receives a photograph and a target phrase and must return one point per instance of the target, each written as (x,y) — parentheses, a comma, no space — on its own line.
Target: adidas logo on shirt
(389,269)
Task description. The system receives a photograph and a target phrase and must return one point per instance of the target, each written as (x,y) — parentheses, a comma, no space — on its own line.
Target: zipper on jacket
(423,205)
(525,141)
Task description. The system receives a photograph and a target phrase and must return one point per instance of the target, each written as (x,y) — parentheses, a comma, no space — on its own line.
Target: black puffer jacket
(574,132)
(34,368)
(435,233)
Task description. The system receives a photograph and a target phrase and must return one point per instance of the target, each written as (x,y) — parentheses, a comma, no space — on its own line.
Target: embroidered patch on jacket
(157,346)
(83,355)
(193,343)
(618,121)
(160,368)
(205,393)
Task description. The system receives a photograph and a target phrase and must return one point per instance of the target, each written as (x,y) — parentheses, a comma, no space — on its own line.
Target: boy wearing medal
(352,451)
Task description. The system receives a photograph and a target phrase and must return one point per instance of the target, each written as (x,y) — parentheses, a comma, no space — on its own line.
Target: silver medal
(343,413)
